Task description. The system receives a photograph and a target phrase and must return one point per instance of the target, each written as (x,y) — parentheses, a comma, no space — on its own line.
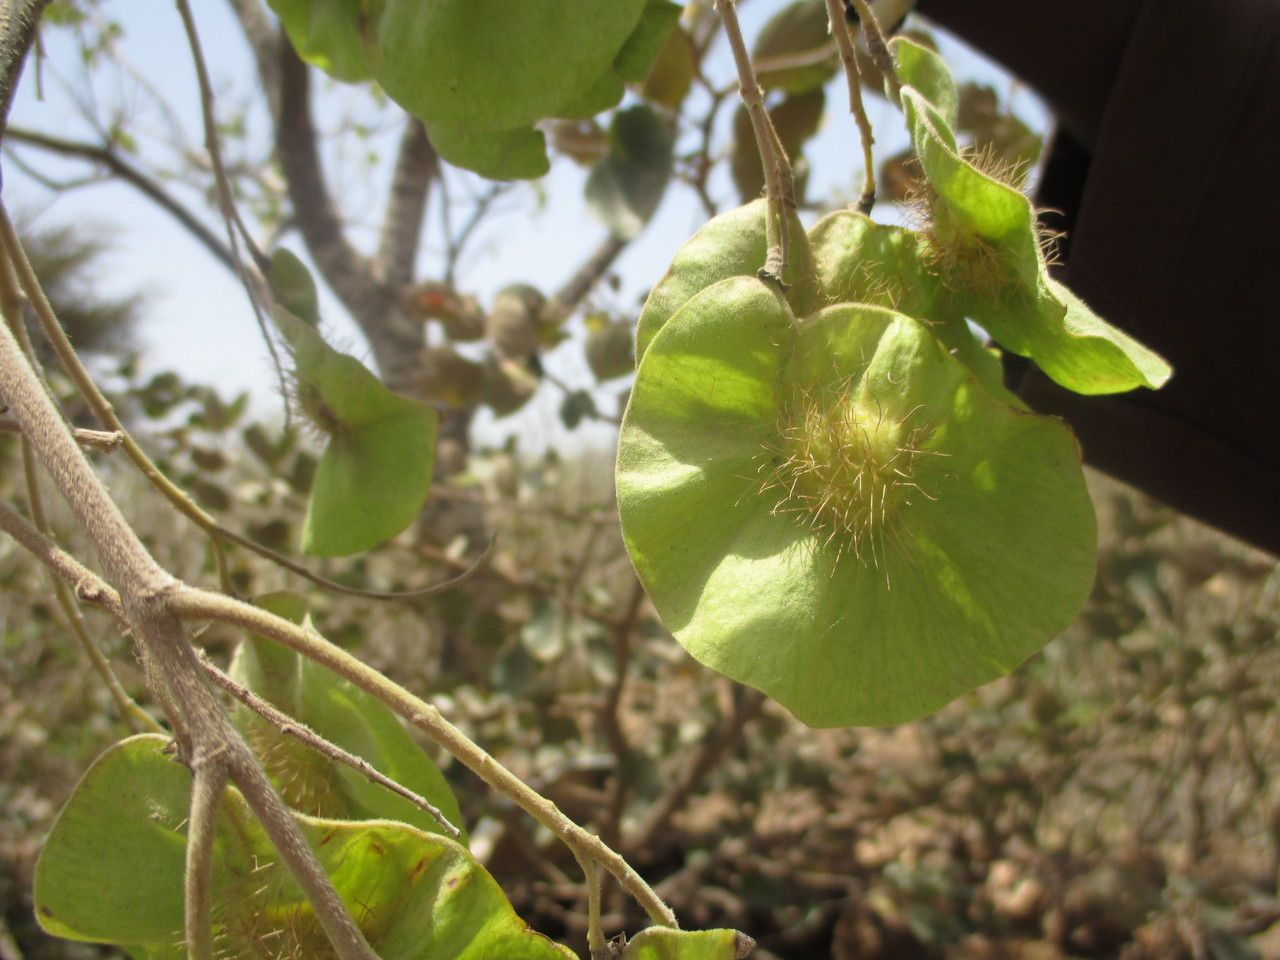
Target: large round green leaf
(730,245)
(112,872)
(492,65)
(838,513)
(373,477)
(987,248)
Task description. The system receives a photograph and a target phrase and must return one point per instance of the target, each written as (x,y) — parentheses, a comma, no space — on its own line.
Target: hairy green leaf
(373,478)
(987,249)
(838,513)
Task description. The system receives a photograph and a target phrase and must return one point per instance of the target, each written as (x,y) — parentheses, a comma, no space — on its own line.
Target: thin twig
(877,47)
(104,440)
(236,229)
(853,77)
(105,413)
(119,167)
(19,21)
(468,570)
(701,160)
(194,604)
(290,727)
(87,585)
(456,243)
(778,185)
(207,786)
(595,935)
(134,717)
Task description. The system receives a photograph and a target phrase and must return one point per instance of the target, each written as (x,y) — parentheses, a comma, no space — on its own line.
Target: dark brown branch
(417,167)
(348,274)
(107,158)
(19,20)
(570,296)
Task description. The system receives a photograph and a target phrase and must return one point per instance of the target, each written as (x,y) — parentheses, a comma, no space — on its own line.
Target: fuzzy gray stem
(207,785)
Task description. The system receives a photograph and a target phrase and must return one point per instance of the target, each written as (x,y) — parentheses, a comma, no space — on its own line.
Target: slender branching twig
(18,22)
(110,160)
(107,441)
(88,586)
(290,727)
(194,604)
(877,47)
(849,58)
(91,588)
(236,229)
(105,413)
(134,717)
(778,185)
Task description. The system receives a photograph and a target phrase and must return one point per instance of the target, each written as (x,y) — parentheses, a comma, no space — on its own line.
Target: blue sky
(198,321)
